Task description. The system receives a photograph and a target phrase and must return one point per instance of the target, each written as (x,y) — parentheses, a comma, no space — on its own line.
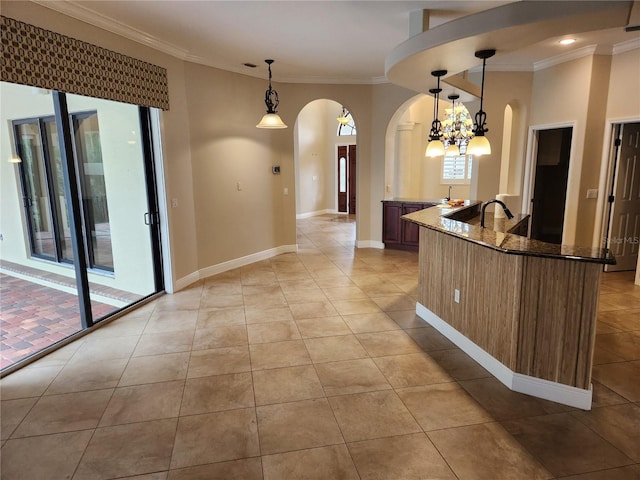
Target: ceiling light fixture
(479,144)
(567,41)
(456,127)
(271,119)
(435,147)
(345,118)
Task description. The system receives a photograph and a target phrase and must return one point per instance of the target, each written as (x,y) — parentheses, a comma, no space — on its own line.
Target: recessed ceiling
(311,41)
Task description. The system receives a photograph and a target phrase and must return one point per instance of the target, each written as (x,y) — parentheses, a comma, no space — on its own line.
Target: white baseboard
(231,264)
(369,244)
(300,216)
(184,282)
(536,387)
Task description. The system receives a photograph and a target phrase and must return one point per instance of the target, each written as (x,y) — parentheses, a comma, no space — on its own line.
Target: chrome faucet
(507,212)
(448,197)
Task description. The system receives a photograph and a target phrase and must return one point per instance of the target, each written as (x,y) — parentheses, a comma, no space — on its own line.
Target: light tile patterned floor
(314,366)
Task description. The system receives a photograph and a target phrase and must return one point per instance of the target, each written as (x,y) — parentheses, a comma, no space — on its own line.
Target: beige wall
(623,99)
(502,89)
(571,94)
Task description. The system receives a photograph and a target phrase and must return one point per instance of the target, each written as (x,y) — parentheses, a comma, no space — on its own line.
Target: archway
(408,174)
(317,144)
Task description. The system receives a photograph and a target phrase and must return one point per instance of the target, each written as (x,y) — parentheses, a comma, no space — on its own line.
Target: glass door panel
(38,301)
(60,207)
(90,170)
(35,189)
(111,170)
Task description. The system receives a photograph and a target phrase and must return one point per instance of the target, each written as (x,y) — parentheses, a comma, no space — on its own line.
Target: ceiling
(311,41)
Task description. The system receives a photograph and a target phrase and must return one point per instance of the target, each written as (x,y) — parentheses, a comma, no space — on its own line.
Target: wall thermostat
(275,169)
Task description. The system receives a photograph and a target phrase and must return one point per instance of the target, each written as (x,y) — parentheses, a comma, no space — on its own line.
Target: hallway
(311,365)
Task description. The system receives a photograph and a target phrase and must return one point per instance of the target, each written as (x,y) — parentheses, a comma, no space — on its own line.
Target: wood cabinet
(398,233)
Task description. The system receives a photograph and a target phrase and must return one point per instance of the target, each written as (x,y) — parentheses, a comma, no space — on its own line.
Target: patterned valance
(41,58)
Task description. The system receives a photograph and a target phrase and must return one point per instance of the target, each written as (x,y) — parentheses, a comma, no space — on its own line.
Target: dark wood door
(550,188)
(343,173)
(352,180)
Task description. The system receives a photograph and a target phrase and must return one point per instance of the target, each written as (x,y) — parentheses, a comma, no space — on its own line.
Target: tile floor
(311,365)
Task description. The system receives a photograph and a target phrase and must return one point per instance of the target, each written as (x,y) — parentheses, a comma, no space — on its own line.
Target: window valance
(46,59)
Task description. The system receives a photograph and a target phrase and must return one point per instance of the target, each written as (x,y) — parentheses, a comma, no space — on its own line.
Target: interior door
(624,224)
(352,179)
(550,184)
(342,179)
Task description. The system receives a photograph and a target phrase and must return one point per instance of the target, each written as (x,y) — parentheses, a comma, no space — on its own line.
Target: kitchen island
(524,309)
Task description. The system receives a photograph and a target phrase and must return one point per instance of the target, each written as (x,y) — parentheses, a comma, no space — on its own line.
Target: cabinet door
(410,231)
(391,213)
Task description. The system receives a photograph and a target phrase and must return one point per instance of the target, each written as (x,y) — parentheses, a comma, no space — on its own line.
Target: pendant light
(344,119)
(435,147)
(479,144)
(271,119)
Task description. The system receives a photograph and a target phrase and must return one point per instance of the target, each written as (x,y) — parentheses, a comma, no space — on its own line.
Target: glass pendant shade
(479,145)
(435,148)
(271,120)
(452,150)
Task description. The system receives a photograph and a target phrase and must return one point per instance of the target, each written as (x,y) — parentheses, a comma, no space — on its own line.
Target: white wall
(312,157)
(124,182)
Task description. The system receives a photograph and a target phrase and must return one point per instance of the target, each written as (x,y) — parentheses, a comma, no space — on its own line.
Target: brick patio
(34,316)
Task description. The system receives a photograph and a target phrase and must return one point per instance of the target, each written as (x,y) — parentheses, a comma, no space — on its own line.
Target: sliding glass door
(79,216)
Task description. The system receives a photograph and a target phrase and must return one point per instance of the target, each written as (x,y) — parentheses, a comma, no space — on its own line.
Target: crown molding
(565,57)
(626,46)
(84,14)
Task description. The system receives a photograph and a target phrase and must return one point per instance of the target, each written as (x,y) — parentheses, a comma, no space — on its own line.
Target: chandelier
(457,127)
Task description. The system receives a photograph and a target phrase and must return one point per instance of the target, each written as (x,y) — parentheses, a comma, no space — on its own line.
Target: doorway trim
(606,177)
(568,228)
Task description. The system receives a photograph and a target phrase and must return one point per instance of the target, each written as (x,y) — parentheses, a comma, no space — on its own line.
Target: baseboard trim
(231,264)
(536,387)
(300,216)
(369,244)
(184,282)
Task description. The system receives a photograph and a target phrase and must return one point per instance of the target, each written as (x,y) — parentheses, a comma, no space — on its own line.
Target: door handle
(151,218)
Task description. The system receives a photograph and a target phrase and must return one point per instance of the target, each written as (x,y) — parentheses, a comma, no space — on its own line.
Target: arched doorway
(325,156)
(408,173)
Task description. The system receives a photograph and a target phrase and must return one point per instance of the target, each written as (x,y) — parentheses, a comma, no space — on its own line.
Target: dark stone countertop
(413,200)
(464,222)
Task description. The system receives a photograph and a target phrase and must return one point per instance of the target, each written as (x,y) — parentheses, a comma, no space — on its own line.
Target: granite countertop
(413,200)
(464,222)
